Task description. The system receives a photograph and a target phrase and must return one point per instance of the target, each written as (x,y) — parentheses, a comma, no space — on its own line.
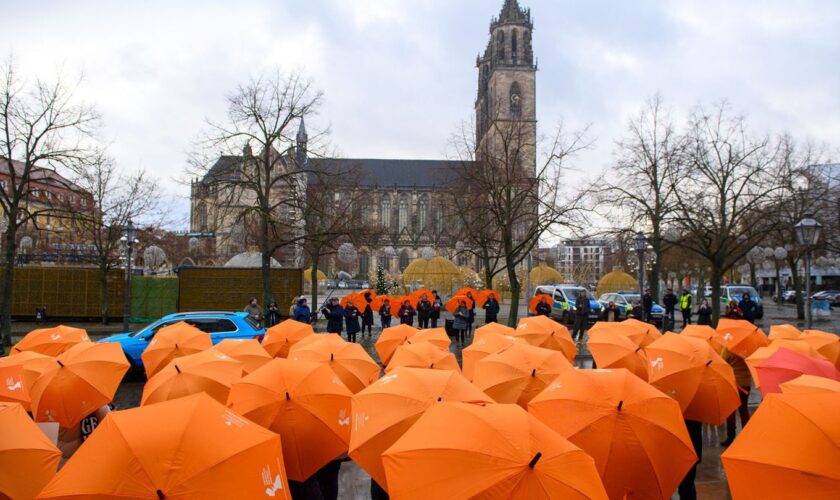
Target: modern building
(582,260)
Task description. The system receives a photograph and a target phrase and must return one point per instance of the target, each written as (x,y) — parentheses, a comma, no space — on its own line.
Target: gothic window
(422,213)
(403,260)
(402,221)
(383,262)
(385,212)
(439,218)
(500,46)
(364,264)
(514,42)
(202,217)
(515,99)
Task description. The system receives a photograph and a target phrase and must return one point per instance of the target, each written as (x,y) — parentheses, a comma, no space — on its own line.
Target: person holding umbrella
(367,315)
(471,317)
(744,380)
(424,311)
(461,321)
(385,314)
(543,308)
(437,305)
(335,316)
(491,308)
(407,313)
(351,318)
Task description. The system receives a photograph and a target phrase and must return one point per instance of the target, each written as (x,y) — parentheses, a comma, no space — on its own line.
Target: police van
(564,302)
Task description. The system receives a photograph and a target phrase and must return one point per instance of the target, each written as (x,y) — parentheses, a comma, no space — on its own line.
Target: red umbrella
(786,365)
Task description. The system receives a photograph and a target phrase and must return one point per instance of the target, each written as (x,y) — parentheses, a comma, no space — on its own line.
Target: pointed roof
(513,13)
(301,133)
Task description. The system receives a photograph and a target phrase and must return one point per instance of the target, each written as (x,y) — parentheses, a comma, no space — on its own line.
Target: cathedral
(411,200)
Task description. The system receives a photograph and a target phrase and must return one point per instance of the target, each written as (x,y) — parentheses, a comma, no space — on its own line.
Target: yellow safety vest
(685,301)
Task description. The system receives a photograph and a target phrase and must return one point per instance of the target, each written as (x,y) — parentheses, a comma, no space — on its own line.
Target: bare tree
(43,129)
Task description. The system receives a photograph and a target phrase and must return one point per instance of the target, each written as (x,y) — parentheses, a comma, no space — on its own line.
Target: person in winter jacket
(407,314)
(301,312)
(685,307)
(491,309)
(385,314)
(749,309)
(437,305)
(704,313)
(367,315)
(611,312)
(647,305)
(543,307)
(254,311)
(272,315)
(732,311)
(471,317)
(351,318)
(424,311)
(581,316)
(669,301)
(460,321)
(335,316)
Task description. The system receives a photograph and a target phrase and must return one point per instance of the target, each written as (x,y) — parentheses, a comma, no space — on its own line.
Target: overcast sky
(399,75)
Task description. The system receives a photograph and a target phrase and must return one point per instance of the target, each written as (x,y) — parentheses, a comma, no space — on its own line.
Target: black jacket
(543,309)
(424,310)
(385,310)
(614,312)
(492,309)
(437,305)
(669,300)
(647,302)
(407,315)
(351,318)
(335,318)
(749,309)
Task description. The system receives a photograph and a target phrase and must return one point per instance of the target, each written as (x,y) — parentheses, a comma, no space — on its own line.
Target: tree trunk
(8,278)
(266,261)
(653,281)
(797,286)
(779,294)
(515,289)
(103,293)
(488,276)
(716,280)
(314,283)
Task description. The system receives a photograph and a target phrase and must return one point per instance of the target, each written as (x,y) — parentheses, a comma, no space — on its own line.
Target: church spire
(513,13)
(302,137)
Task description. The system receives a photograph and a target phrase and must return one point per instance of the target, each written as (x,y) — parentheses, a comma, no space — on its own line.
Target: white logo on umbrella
(387,379)
(658,363)
(727,337)
(55,336)
(343,419)
(272,485)
(12,385)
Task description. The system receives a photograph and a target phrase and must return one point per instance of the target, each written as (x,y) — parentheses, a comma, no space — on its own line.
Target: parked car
(832,296)
(220,325)
(788,297)
(565,300)
(736,291)
(624,302)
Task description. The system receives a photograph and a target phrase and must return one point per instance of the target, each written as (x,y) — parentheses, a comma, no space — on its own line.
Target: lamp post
(808,233)
(129,238)
(640,244)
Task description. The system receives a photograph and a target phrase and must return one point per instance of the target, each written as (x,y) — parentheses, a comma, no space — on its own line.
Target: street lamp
(128,239)
(640,244)
(808,233)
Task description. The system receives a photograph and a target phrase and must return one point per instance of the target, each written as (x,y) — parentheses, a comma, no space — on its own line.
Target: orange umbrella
(495,329)
(741,337)
(762,353)
(482,346)
(357,299)
(172,342)
(790,449)
(248,352)
(785,331)
(28,459)
(12,388)
(810,384)
(397,303)
(706,333)
(350,362)
(510,455)
(282,336)
(190,447)
(51,341)
(418,294)
(688,370)
(379,301)
(827,344)
(466,290)
(637,331)
(390,339)
(305,403)
(610,350)
(423,355)
(455,302)
(19,373)
(620,420)
(83,379)
(387,408)
(541,331)
(535,301)
(435,336)
(210,372)
(519,372)
(484,295)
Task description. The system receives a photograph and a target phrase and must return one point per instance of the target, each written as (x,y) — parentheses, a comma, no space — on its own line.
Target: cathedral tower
(507,79)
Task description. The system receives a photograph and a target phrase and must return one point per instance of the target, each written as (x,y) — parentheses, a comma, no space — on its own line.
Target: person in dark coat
(748,308)
(367,315)
(611,312)
(272,315)
(733,311)
(471,317)
(543,307)
(335,316)
(704,313)
(687,489)
(385,314)
(461,321)
(437,305)
(491,309)
(636,311)
(301,312)
(669,300)
(647,305)
(351,318)
(407,314)
(424,311)
(581,316)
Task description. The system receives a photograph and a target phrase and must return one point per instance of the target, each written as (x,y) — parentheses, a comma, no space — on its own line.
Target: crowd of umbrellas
(514,419)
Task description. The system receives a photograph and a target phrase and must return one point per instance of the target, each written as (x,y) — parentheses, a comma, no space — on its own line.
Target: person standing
(335,316)
(461,321)
(471,317)
(687,488)
(407,314)
(744,381)
(491,309)
(351,318)
(424,311)
(437,305)
(611,313)
(581,317)
(254,311)
(704,313)
(367,315)
(733,311)
(301,311)
(272,316)
(543,307)
(685,307)
(385,314)
(749,309)
(669,300)
(647,305)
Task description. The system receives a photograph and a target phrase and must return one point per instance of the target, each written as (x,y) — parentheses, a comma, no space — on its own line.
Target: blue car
(220,326)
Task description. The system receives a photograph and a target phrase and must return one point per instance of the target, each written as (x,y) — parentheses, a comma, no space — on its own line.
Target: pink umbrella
(786,365)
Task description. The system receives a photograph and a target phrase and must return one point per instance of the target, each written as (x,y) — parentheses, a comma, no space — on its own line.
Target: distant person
(744,381)
(407,314)
(437,306)
(335,316)
(491,309)
(611,313)
(636,311)
(543,307)
(461,321)
(301,311)
(424,311)
(704,313)
(733,311)
(647,306)
(685,307)
(272,315)
(687,489)
(254,311)
(471,317)
(367,315)
(669,301)
(351,318)
(749,309)
(581,316)
(385,314)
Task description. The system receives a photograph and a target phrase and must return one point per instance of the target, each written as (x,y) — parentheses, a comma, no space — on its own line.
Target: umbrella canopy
(12,388)
(621,421)
(305,403)
(19,372)
(455,302)
(282,336)
(387,408)
(190,447)
(827,344)
(494,329)
(789,449)
(416,295)
(379,301)
(173,341)
(741,337)
(688,370)
(510,455)
(83,379)
(397,303)
(784,365)
(541,331)
(423,355)
(390,339)
(519,372)
(348,360)
(810,384)
(50,341)
(638,332)
(707,333)
(466,290)
(357,299)
(248,352)
(785,331)
(210,372)
(762,353)
(617,351)
(481,347)
(535,301)
(484,295)
(435,336)
(28,459)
